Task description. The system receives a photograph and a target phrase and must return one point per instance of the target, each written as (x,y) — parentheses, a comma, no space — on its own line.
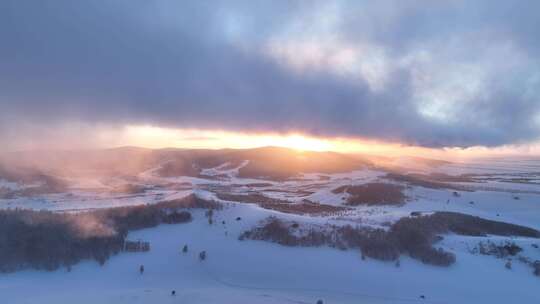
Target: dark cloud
(432,73)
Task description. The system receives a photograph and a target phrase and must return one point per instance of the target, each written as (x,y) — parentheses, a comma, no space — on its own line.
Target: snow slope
(258,272)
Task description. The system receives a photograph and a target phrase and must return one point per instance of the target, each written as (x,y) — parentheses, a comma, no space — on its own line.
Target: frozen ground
(259,272)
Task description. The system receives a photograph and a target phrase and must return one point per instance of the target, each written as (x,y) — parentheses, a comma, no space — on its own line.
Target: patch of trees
(136,246)
(498,250)
(254,198)
(430,181)
(389,245)
(48,240)
(278,231)
(374,243)
(304,207)
(191,201)
(463,224)
(34,183)
(506,250)
(373,194)
(415,236)
(253,185)
(176,217)
(130,189)
(534,264)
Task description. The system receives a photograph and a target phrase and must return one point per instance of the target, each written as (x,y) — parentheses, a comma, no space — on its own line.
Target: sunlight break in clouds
(436,74)
(156,137)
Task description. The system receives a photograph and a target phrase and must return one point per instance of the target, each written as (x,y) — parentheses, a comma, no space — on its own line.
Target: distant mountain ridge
(268,162)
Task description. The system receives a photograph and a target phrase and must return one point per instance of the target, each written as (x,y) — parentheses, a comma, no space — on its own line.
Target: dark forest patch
(191,201)
(415,236)
(130,189)
(438,181)
(253,185)
(254,198)
(373,194)
(48,240)
(34,182)
(304,207)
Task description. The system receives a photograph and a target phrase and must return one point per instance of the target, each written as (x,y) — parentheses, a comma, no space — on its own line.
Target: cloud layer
(430,73)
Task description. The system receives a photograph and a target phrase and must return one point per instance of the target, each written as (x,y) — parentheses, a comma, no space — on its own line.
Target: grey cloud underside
(174,64)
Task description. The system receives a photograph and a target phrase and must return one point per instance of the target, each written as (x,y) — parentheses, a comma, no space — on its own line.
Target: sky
(446,75)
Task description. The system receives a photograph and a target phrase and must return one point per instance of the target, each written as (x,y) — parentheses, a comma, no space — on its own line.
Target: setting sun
(355,152)
(156,137)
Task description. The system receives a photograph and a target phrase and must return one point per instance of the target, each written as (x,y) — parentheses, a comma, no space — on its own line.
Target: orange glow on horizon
(157,137)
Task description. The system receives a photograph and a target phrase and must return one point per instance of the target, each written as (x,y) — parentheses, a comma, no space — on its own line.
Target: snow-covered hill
(261,272)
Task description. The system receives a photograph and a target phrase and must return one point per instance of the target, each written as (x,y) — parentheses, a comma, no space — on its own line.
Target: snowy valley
(282,226)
